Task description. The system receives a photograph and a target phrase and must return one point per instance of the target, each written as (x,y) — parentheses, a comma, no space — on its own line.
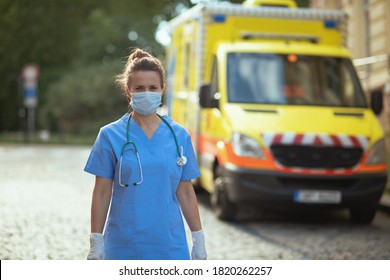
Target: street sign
(30,97)
(30,74)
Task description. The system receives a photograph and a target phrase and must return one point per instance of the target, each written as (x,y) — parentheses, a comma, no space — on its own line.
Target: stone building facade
(367,36)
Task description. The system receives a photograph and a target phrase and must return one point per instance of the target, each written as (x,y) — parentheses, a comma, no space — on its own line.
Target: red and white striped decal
(319,140)
(316,139)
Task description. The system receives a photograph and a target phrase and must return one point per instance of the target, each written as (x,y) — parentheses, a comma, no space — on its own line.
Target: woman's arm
(101,198)
(189,205)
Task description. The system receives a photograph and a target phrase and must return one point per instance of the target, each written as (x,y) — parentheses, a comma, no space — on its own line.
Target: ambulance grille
(316,157)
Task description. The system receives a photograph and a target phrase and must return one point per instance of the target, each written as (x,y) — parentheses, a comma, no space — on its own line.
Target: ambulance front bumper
(281,190)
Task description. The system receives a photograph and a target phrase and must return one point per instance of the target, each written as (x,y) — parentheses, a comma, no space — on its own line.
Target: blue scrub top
(144,221)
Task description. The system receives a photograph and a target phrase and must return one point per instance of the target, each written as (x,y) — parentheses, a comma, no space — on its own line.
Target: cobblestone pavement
(45,210)
(44,202)
(312,236)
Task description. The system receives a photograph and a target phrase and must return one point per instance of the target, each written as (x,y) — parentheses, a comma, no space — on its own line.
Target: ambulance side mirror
(205,99)
(377,101)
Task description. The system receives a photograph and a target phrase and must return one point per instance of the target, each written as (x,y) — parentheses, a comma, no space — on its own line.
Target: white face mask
(146,103)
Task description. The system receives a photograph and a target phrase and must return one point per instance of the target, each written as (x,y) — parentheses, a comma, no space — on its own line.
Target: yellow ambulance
(275,109)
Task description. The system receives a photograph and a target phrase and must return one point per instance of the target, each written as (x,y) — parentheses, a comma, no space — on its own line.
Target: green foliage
(79,46)
(85,99)
(40,31)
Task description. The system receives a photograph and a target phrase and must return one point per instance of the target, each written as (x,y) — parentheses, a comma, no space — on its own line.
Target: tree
(84,100)
(41,31)
(66,36)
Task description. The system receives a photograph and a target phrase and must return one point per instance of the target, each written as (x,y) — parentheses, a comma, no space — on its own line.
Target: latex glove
(96,250)
(198,248)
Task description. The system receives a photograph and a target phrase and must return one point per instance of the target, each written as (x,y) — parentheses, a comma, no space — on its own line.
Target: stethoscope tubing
(139,165)
(181,160)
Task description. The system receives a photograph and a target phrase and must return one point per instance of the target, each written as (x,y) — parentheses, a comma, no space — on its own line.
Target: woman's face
(141,81)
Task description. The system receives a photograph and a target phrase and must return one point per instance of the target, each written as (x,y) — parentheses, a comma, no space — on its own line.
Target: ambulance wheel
(224,209)
(363,215)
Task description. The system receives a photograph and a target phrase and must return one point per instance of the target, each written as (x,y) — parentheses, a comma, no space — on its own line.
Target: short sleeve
(102,160)
(191,169)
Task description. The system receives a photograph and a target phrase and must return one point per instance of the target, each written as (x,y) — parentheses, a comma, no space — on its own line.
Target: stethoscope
(181,160)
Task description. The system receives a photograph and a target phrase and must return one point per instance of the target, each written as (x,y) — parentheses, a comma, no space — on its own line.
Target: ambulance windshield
(293,80)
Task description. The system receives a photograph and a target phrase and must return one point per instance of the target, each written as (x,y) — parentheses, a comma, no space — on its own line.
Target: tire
(223,208)
(364,214)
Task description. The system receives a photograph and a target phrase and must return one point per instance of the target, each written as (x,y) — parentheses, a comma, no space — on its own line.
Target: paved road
(45,205)
(314,236)
(44,202)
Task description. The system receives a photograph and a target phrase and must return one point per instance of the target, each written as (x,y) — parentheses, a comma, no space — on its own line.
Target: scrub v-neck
(143,134)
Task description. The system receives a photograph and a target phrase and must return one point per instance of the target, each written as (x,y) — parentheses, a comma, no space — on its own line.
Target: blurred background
(368,39)
(76,47)
(58,61)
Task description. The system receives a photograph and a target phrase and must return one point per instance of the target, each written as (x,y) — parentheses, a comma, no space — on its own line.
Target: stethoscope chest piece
(181,161)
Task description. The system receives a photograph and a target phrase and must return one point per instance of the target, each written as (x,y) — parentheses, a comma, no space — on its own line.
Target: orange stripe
(192,135)
(225,154)
(249,162)
(371,168)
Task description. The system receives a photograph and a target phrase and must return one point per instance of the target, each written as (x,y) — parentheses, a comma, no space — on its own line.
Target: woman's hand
(96,250)
(198,248)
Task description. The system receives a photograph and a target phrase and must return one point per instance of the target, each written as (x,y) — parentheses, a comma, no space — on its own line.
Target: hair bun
(137,54)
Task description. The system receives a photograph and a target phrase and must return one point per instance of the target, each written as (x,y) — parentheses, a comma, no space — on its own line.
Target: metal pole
(31,120)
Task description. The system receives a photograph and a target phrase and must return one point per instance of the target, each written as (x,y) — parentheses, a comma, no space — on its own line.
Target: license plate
(313,196)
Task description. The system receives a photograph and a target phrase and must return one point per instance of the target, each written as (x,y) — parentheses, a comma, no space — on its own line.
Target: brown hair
(140,60)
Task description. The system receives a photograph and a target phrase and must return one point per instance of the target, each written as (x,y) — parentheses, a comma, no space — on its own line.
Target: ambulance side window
(214,89)
(186,67)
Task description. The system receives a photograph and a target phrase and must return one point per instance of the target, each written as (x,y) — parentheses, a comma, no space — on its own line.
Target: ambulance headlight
(246,146)
(377,153)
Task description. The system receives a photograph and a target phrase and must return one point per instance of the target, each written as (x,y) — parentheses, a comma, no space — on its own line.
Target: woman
(144,164)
